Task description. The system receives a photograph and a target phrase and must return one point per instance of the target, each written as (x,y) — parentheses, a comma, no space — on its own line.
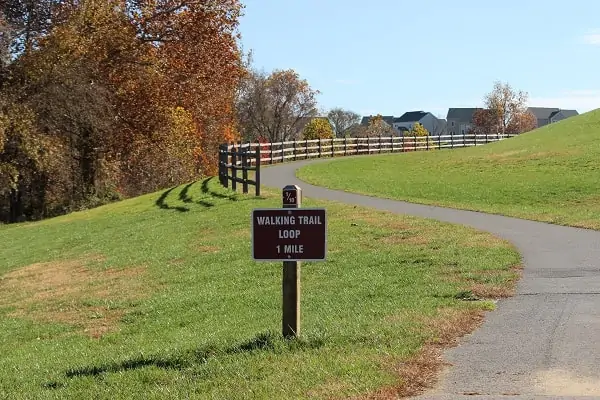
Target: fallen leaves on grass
(482,288)
(71,292)
(421,371)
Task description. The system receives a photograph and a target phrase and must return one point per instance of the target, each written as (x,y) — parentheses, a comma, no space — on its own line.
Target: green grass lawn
(157,297)
(551,174)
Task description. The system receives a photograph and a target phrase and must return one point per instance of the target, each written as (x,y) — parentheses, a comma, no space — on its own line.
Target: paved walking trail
(543,343)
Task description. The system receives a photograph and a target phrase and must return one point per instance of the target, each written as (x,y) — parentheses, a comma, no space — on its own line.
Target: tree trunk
(16,206)
(87,164)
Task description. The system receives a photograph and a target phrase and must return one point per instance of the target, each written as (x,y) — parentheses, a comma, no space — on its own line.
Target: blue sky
(392,56)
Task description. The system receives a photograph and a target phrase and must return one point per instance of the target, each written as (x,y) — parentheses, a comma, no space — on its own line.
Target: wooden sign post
(290,234)
(292,198)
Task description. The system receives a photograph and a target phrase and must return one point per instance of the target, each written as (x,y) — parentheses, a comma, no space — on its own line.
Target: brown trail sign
(290,234)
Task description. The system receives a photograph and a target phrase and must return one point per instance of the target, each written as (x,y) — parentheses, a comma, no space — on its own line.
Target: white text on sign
(289,220)
(291,249)
(289,234)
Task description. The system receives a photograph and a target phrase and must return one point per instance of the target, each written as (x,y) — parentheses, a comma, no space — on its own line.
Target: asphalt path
(542,343)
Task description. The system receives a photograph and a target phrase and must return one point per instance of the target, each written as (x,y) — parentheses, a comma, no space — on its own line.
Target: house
(440,128)
(408,120)
(459,120)
(435,126)
(548,115)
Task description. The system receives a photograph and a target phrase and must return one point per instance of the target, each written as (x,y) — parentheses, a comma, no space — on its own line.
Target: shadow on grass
(186,198)
(260,343)
(160,202)
(207,198)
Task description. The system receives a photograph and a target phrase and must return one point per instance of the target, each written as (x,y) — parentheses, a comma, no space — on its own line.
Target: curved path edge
(542,343)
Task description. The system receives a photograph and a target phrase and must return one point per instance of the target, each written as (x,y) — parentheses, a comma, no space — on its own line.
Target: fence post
(245,170)
(294,150)
(380,145)
(464,140)
(346,145)
(402,143)
(225,167)
(486,137)
(320,147)
(368,145)
(415,141)
(234,167)
(427,142)
(392,143)
(249,150)
(221,164)
(257,172)
(451,139)
(271,149)
(439,142)
(332,148)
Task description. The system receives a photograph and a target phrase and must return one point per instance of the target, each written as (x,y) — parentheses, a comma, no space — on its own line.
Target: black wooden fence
(234,158)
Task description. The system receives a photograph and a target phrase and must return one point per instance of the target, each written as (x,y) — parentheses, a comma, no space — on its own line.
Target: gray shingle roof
(565,113)
(461,114)
(411,116)
(542,112)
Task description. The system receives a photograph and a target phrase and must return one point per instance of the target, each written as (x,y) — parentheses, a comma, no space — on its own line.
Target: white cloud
(592,37)
(580,100)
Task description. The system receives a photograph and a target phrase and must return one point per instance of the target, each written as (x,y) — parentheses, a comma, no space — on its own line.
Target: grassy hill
(157,297)
(551,174)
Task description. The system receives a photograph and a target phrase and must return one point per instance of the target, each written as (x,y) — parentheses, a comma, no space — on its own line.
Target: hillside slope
(157,297)
(551,174)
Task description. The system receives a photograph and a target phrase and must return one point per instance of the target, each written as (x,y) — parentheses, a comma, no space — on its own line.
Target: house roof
(542,112)
(461,114)
(411,116)
(565,113)
(389,119)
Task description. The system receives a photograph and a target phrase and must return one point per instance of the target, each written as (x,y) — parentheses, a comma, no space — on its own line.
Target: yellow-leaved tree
(420,135)
(419,130)
(317,128)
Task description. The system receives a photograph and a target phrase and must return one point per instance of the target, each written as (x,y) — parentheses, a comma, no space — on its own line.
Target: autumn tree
(357,130)
(24,22)
(420,133)
(485,122)
(317,128)
(506,105)
(342,120)
(419,130)
(126,96)
(523,122)
(273,106)
(378,127)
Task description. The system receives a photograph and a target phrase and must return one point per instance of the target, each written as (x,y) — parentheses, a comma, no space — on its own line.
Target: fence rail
(249,156)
